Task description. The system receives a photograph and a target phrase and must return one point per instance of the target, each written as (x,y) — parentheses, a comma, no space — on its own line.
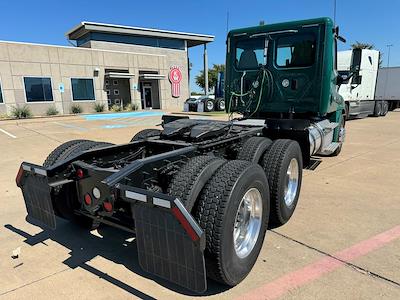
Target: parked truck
(208,103)
(199,195)
(374,91)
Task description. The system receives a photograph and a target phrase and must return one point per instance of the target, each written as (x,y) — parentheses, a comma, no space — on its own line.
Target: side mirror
(356,79)
(342,79)
(337,35)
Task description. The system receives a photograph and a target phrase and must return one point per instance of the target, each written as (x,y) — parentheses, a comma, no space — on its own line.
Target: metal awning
(152,76)
(119,75)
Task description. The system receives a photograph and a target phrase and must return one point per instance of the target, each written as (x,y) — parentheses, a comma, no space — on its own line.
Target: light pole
(334,12)
(389,46)
(387,71)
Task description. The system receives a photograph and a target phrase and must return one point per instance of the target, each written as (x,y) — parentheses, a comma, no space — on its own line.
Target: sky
(45,21)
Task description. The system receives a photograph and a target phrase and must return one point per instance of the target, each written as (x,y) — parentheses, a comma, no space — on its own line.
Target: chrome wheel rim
(292,182)
(210,105)
(342,133)
(247,224)
(222,105)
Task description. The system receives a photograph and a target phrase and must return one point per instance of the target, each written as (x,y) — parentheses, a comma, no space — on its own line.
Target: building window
(82,89)
(107,82)
(108,92)
(116,92)
(115,82)
(38,89)
(1,94)
(133,40)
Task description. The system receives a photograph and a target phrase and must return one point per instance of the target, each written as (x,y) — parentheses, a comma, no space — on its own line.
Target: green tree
(358,45)
(212,76)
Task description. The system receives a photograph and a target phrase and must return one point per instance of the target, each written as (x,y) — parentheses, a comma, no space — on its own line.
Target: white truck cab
(359,90)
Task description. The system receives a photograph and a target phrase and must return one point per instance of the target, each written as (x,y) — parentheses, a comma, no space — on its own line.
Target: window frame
(43,101)
(1,93)
(275,60)
(84,100)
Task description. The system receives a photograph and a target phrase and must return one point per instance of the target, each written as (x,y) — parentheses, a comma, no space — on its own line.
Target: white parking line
(70,126)
(9,134)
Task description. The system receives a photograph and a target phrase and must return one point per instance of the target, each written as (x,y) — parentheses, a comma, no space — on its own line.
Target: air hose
(265,75)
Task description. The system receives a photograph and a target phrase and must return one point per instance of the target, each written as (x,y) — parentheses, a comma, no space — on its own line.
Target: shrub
(21,112)
(99,107)
(131,107)
(52,111)
(116,108)
(76,109)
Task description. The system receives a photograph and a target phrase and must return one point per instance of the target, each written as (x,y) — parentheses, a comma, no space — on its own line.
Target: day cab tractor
(199,195)
(204,104)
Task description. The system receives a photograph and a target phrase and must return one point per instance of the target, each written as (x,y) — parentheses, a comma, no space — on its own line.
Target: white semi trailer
(374,91)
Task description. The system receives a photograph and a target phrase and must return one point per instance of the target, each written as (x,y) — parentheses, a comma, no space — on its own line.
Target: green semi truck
(199,195)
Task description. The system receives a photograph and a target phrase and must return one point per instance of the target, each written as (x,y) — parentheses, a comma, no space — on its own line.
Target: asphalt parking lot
(343,241)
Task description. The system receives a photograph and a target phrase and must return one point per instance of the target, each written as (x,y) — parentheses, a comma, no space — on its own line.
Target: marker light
(108,206)
(79,173)
(88,199)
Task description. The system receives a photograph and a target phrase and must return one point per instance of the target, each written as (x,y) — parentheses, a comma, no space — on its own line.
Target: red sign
(175,76)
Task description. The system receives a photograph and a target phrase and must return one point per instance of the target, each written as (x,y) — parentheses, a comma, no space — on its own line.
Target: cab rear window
(295,51)
(250,53)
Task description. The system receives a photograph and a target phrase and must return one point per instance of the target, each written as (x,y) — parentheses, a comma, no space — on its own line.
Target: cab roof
(282,26)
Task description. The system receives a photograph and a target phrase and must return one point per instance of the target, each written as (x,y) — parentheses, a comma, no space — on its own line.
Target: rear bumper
(170,242)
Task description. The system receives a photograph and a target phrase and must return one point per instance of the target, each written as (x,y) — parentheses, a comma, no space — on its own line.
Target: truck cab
(359,90)
(286,69)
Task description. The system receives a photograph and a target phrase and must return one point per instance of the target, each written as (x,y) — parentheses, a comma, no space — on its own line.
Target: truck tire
(209,105)
(78,148)
(283,165)
(385,108)
(220,104)
(229,256)
(65,201)
(55,154)
(145,133)
(377,109)
(254,148)
(187,184)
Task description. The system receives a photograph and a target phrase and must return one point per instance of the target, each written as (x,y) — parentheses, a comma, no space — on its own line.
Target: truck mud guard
(32,180)
(170,243)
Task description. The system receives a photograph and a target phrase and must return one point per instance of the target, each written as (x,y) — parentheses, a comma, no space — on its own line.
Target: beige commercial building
(111,64)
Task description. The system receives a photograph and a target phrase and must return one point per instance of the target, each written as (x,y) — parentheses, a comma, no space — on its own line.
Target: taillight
(79,173)
(19,176)
(108,206)
(88,199)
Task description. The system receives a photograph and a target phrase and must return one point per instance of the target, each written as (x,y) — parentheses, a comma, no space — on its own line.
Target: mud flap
(36,191)
(170,243)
